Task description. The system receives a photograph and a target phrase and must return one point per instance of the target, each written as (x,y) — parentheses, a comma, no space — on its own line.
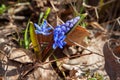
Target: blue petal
(54,46)
(76,19)
(55,37)
(38,32)
(67,23)
(58,29)
(62,37)
(44,23)
(60,45)
(37,26)
(68,29)
(43,29)
(63,28)
(46,33)
(71,25)
(72,20)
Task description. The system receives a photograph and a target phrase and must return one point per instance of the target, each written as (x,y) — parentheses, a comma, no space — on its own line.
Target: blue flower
(60,32)
(43,29)
(59,42)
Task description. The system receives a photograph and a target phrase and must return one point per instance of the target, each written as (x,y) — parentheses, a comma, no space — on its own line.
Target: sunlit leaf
(77,35)
(22,55)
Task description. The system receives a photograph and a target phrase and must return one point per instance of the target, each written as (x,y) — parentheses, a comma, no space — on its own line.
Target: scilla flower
(43,29)
(60,32)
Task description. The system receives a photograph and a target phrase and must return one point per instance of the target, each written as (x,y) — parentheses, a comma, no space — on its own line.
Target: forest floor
(92,51)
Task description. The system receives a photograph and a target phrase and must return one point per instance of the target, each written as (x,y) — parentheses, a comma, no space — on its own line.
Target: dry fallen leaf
(77,35)
(117,51)
(112,63)
(21,55)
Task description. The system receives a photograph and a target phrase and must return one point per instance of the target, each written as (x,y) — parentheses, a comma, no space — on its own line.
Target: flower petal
(37,26)
(61,30)
(43,29)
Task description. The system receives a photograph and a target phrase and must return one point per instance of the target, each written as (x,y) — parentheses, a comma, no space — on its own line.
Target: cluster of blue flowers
(59,32)
(43,29)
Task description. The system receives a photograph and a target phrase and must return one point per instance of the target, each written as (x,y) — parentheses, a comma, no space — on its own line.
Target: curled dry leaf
(77,35)
(22,55)
(112,63)
(117,51)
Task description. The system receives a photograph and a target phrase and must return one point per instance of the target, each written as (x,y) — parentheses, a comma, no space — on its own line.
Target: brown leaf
(22,55)
(77,35)
(42,38)
(112,65)
(117,51)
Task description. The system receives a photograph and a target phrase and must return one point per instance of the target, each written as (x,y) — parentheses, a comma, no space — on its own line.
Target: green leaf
(47,13)
(101,2)
(26,38)
(34,40)
(2,9)
(40,17)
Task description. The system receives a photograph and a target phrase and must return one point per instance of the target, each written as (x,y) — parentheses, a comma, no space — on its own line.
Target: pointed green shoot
(34,40)
(47,13)
(26,38)
(40,17)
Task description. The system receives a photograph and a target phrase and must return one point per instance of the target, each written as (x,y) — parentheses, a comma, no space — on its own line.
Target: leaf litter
(81,58)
